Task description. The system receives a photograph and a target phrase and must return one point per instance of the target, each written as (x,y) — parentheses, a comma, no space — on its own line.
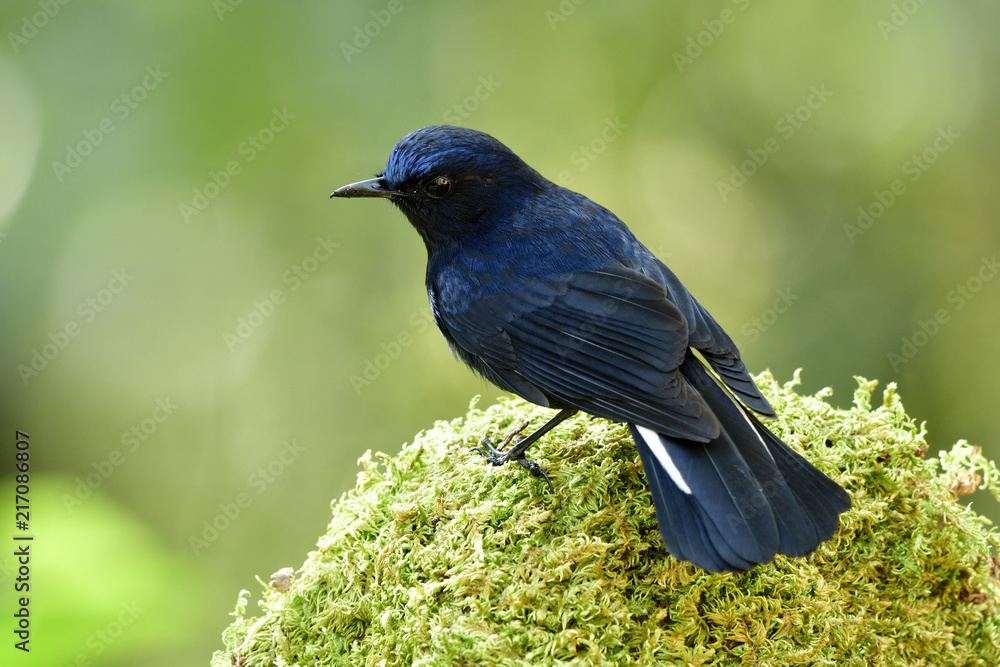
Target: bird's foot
(498,456)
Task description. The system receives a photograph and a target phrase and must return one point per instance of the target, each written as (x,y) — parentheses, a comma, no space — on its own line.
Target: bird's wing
(708,337)
(607,342)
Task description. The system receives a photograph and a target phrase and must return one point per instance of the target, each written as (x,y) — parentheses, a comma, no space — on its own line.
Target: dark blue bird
(549,296)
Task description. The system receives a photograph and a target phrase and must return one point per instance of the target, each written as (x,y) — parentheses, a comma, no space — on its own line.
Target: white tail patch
(743,413)
(652,439)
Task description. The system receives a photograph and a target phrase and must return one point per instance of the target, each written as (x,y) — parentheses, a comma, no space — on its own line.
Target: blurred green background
(194,334)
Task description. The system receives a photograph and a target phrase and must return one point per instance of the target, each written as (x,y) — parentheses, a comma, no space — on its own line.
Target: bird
(549,296)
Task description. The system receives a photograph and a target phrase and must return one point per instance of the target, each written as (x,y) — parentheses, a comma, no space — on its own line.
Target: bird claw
(499,456)
(536,470)
(489,452)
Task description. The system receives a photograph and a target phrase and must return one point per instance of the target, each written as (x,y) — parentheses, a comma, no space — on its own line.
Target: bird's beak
(373,187)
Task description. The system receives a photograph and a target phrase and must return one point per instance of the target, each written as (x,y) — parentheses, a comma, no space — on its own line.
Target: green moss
(437,558)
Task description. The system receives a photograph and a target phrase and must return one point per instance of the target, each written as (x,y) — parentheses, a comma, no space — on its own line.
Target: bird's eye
(439,187)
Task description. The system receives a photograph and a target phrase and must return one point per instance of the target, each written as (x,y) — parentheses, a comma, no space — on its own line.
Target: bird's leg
(517,451)
(497,456)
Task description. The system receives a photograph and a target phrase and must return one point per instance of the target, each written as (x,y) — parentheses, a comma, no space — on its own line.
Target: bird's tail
(736,501)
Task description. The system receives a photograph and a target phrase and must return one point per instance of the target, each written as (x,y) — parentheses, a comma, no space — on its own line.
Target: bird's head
(452,183)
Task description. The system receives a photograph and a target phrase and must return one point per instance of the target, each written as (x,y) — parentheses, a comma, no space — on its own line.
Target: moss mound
(437,558)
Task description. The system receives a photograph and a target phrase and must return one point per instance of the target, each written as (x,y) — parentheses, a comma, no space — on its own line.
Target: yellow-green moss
(437,558)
